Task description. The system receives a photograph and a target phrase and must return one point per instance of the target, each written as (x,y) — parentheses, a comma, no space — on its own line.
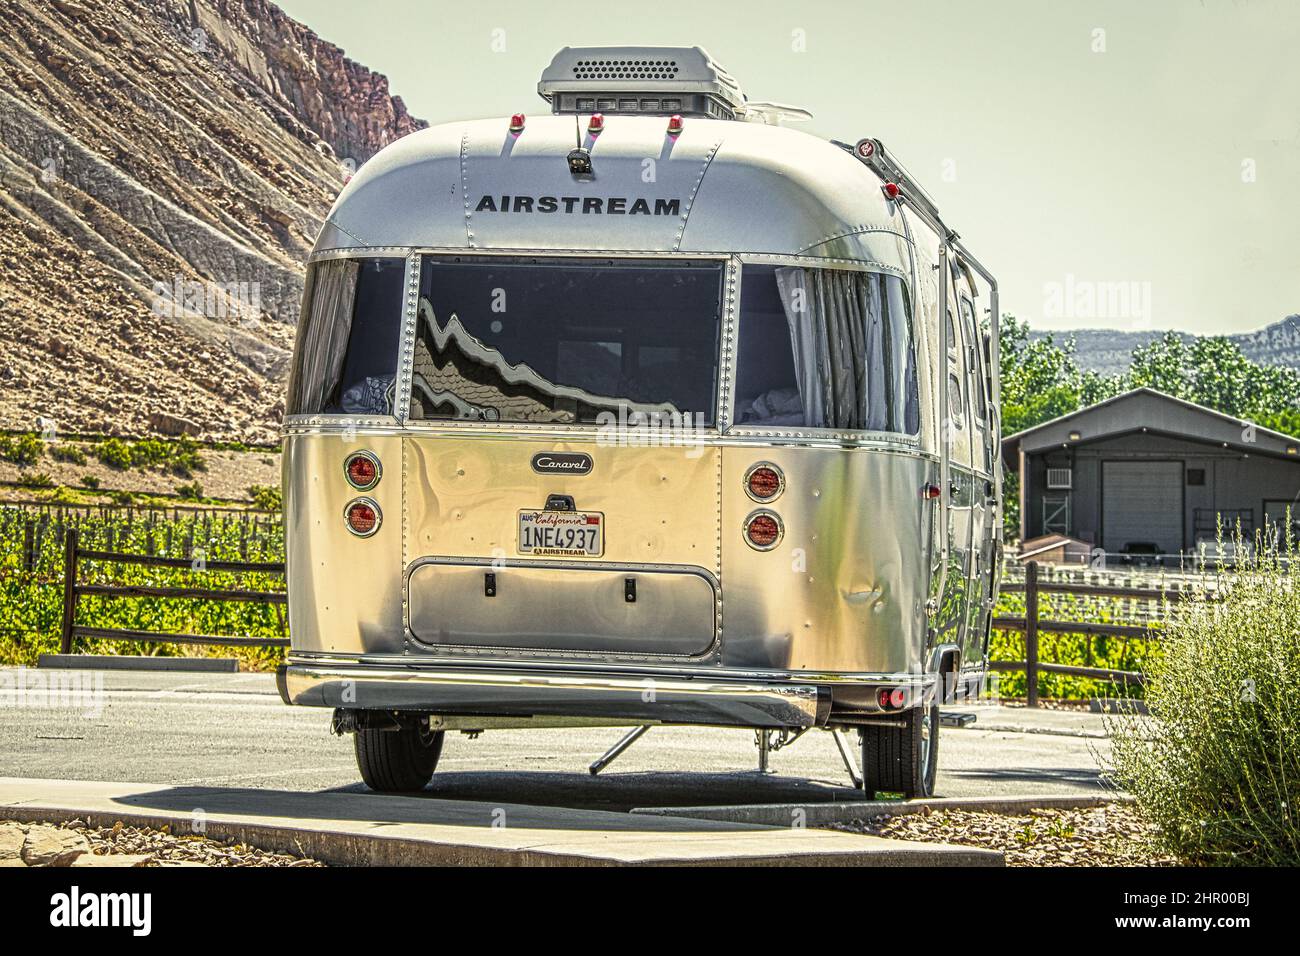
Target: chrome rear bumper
(483,692)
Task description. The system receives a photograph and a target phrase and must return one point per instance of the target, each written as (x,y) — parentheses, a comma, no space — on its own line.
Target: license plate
(562,533)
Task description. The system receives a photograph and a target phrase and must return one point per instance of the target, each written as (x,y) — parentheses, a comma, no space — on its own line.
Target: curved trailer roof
(717,187)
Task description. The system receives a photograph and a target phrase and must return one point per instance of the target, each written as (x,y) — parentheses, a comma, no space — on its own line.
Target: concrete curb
(361,829)
(824,814)
(132,662)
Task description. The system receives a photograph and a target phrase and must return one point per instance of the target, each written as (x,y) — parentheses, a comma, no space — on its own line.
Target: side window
(976,360)
(345,359)
(826,348)
(956,406)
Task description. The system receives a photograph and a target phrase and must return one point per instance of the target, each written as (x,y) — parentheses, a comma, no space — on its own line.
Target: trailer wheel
(401,760)
(903,759)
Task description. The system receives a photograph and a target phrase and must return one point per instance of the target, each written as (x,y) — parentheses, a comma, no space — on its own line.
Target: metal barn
(1149,477)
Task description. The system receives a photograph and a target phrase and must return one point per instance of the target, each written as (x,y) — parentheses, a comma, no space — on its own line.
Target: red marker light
(764,482)
(517,123)
(675,124)
(891,190)
(596,123)
(362,517)
(930,492)
(763,530)
(363,470)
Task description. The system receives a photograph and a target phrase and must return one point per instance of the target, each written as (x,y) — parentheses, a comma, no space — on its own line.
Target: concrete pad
(372,829)
(825,814)
(139,662)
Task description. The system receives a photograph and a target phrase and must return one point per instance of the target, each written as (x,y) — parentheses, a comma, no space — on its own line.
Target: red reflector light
(517,123)
(764,482)
(891,190)
(763,530)
(675,124)
(892,698)
(930,492)
(363,470)
(363,517)
(596,123)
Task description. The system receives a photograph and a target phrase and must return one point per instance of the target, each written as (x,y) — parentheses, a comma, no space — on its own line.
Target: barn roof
(1152,411)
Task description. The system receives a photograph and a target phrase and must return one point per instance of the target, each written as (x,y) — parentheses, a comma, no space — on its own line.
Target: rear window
(566,341)
(825,348)
(345,361)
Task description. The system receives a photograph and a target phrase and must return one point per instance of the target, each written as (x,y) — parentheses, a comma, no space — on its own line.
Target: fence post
(1031,633)
(69,587)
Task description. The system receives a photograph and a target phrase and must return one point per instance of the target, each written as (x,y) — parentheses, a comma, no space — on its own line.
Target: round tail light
(363,470)
(892,698)
(363,517)
(764,481)
(763,530)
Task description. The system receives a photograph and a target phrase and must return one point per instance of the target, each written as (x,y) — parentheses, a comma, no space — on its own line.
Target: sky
(1130,165)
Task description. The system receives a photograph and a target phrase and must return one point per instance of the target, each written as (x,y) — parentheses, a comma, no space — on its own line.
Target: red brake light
(596,123)
(363,517)
(363,470)
(517,123)
(892,698)
(764,482)
(674,124)
(763,530)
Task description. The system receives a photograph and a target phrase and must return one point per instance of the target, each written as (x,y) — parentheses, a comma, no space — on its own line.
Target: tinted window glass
(345,360)
(977,360)
(825,348)
(565,340)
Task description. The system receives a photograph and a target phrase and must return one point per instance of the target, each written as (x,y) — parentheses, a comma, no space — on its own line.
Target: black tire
(897,760)
(398,761)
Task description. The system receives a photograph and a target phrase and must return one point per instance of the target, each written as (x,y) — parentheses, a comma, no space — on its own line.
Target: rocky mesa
(164,168)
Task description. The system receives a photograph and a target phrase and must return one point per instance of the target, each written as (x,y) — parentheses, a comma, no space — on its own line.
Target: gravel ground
(1113,835)
(76,844)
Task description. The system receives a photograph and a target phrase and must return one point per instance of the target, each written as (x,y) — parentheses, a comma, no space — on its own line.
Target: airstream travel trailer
(649,411)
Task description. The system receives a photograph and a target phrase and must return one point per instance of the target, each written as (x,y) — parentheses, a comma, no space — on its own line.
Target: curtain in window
(851,341)
(323,342)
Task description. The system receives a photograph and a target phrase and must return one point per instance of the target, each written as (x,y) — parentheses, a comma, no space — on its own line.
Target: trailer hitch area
(348,720)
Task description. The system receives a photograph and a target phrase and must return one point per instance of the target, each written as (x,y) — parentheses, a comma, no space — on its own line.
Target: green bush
(66,452)
(1217,765)
(149,453)
(37,479)
(190,492)
(266,497)
(114,453)
(90,481)
(22,450)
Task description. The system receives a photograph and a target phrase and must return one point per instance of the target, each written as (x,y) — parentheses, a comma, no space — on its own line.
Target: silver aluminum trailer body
(501,350)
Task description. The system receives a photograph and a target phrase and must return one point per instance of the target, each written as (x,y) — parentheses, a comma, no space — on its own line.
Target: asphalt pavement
(232,730)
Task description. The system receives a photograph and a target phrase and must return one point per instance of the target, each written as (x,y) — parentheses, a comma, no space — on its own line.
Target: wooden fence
(1032,625)
(73,589)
